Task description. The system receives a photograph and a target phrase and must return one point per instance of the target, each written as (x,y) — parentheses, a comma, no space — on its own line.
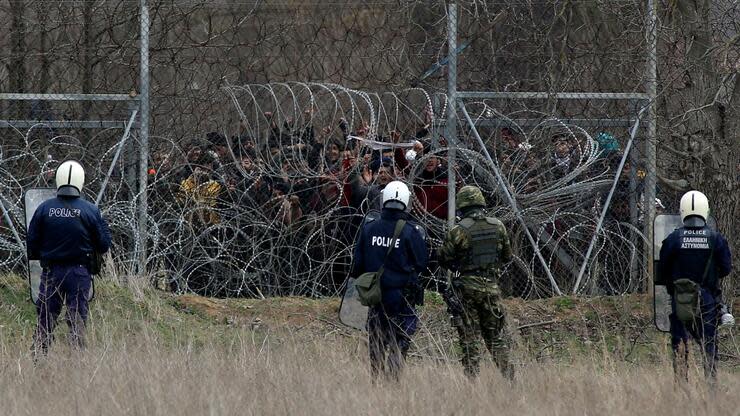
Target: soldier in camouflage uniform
(473,250)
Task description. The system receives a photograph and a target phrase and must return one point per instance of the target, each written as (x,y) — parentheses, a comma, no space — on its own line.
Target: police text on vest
(64,213)
(695,242)
(384,241)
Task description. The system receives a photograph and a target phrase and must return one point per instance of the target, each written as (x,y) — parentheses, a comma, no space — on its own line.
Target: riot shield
(663,225)
(31,200)
(351,312)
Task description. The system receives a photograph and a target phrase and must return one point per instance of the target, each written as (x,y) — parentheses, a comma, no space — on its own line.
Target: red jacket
(432,195)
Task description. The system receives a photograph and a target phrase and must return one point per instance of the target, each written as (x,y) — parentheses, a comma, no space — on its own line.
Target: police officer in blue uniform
(393,322)
(702,256)
(63,234)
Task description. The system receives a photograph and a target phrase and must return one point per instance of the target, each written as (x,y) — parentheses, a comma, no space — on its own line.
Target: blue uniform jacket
(404,263)
(685,253)
(66,230)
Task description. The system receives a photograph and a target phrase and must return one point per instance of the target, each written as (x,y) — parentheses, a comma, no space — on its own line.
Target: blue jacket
(66,230)
(685,253)
(404,264)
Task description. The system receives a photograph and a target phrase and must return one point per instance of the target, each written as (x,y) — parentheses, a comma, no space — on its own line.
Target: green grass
(433,299)
(115,312)
(556,329)
(17,313)
(564,302)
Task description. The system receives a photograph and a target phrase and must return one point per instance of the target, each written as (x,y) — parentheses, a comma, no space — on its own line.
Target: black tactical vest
(485,240)
(695,247)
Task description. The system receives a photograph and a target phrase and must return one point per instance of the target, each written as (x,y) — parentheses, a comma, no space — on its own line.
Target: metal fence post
(634,213)
(143,136)
(451,125)
(121,145)
(607,204)
(9,220)
(512,202)
(651,142)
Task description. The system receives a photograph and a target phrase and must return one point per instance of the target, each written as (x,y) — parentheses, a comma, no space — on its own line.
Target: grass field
(153,353)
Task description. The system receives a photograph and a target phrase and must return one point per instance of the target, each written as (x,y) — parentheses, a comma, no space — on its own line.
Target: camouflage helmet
(469,196)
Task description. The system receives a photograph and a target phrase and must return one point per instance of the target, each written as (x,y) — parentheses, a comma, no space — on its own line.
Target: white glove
(727,320)
(411,155)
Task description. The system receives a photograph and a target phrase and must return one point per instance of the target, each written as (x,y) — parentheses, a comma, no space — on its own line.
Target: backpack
(687,294)
(368,284)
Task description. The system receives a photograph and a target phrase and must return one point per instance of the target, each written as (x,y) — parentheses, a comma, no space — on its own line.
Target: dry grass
(251,376)
(155,354)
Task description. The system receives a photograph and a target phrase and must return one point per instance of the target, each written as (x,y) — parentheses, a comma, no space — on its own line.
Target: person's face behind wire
(432,164)
(222,151)
(385,175)
(332,153)
(562,147)
(162,161)
(247,163)
(194,154)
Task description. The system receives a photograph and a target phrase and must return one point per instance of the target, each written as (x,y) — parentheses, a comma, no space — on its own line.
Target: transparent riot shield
(31,200)
(663,225)
(351,312)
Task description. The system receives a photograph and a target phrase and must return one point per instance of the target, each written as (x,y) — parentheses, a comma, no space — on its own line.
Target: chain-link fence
(275,208)
(263,113)
(575,200)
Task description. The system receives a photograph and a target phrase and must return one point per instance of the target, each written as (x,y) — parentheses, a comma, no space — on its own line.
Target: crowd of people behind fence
(298,171)
(295,173)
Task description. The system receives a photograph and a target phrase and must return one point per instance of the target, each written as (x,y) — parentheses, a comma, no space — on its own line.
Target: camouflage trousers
(481,302)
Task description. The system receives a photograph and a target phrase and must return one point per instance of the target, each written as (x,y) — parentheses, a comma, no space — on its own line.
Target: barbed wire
(207,59)
(275,208)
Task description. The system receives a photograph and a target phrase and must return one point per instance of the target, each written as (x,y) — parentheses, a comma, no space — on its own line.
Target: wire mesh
(274,208)
(230,68)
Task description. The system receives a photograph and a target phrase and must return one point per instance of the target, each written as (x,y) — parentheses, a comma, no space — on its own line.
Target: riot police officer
(393,322)
(693,260)
(474,251)
(64,234)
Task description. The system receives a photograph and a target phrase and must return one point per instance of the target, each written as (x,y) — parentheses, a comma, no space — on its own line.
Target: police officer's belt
(63,263)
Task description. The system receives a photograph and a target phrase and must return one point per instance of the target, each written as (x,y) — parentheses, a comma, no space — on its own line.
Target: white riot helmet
(70,178)
(396,195)
(694,204)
